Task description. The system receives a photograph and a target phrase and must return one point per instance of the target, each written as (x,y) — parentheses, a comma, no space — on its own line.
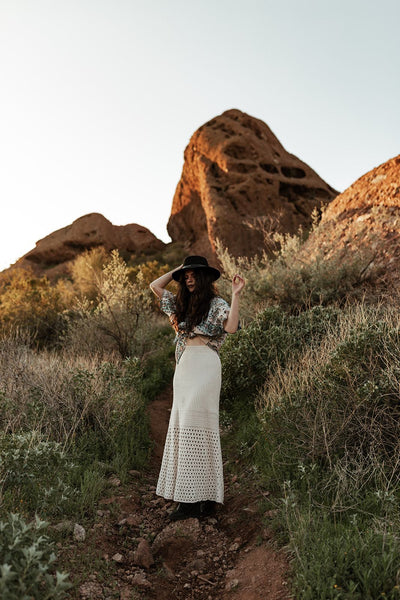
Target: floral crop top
(212,326)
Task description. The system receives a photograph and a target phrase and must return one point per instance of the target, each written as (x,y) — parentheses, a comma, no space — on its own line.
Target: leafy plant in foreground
(26,562)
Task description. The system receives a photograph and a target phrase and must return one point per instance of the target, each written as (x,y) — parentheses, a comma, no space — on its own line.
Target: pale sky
(99,98)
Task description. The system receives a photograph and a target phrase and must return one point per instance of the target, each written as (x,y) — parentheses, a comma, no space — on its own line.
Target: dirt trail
(137,553)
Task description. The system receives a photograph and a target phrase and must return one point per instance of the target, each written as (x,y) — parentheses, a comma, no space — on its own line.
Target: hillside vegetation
(310,402)
(79,360)
(311,396)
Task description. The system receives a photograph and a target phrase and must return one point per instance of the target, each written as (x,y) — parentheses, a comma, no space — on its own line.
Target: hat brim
(176,275)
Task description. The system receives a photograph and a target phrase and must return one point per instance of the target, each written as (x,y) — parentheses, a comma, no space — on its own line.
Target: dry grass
(60,395)
(288,277)
(337,406)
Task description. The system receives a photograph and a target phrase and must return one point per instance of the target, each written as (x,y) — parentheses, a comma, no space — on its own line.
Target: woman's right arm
(158,285)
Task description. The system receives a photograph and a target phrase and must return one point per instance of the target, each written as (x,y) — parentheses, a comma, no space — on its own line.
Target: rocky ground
(132,551)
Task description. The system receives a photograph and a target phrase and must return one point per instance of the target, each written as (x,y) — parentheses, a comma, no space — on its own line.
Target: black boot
(207,508)
(186,510)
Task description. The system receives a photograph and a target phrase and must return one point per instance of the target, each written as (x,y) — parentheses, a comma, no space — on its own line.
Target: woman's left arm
(232,322)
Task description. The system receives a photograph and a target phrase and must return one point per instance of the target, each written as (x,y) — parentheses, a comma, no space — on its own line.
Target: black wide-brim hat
(196,262)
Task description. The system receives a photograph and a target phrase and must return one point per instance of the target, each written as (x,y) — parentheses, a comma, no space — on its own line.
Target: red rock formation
(235,170)
(365,216)
(53,254)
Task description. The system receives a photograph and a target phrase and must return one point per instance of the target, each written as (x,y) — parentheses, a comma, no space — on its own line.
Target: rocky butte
(236,176)
(53,254)
(365,217)
(236,172)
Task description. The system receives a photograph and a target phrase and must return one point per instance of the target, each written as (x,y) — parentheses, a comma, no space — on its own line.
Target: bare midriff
(198,340)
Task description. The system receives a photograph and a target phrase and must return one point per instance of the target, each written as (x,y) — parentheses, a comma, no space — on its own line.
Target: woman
(191,470)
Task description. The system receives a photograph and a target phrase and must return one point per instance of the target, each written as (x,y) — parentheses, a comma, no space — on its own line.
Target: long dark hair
(193,307)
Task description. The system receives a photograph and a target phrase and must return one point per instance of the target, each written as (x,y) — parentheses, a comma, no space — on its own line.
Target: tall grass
(63,397)
(330,422)
(83,402)
(65,420)
(340,559)
(273,339)
(340,399)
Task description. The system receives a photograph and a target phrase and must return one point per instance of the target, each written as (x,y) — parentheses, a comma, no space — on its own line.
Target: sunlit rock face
(236,171)
(365,217)
(53,254)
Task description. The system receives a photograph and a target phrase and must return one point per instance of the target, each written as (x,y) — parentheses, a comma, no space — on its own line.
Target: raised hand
(237,284)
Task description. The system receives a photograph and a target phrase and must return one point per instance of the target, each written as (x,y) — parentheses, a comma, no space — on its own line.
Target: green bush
(330,430)
(90,487)
(339,404)
(158,368)
(113,426)
(270,341)
(87,272)
(35,474)
(26,562)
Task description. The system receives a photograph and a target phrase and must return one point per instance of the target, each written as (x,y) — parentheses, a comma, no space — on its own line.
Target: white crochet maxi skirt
(191,469)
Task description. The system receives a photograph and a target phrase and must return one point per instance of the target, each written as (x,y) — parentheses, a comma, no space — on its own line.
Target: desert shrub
(340,402)
(35,474)
(171,254)
(87,271)
(115,322)
(66,423)
(112,423)
(271,340)
(91,403)
(143,274)
(330,432)
(291,279)
(146,272)
(26,562)
(33,305)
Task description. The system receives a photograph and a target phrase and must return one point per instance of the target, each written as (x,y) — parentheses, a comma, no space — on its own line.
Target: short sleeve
(213,325)
(221,312)
(167,303)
